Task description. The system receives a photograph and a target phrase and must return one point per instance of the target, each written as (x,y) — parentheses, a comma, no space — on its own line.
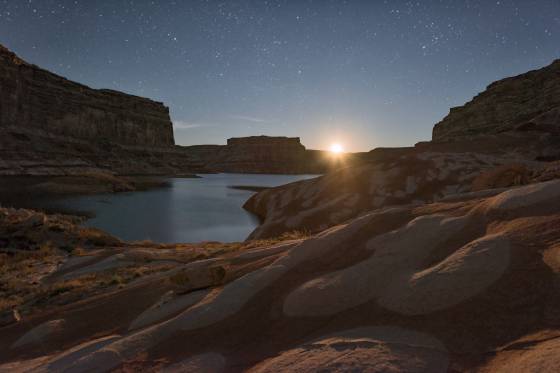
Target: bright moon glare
(336,148)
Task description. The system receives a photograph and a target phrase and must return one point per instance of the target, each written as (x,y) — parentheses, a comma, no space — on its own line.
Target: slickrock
(40,334)
(205,363)
(369,349)
(457,285)
(338,196)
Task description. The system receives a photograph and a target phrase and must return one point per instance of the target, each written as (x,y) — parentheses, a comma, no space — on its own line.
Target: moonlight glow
(336,148)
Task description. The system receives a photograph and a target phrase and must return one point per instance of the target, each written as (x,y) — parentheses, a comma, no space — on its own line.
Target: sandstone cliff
(52,126)
(41,102)
(530,101)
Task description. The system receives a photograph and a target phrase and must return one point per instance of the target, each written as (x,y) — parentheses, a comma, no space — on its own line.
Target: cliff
(36,100)
(50,125)
(528,102)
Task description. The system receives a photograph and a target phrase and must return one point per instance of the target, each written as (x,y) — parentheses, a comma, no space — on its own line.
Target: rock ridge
(529,101)
(34,98)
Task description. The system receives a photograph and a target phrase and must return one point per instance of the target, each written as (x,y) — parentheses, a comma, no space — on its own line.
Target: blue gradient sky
(363,73)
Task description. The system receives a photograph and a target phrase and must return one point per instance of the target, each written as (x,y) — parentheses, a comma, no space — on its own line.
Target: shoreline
(250,188)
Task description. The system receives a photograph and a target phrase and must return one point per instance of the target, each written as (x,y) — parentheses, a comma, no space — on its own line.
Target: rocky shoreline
(489,254)
(442,257)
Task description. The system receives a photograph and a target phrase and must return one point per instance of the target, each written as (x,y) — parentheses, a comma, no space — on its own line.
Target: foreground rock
(461,285)
(417,177)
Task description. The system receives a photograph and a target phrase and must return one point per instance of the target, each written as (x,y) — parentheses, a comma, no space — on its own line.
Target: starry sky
(361,73)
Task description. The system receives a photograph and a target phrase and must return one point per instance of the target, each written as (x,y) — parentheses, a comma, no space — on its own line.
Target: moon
(336,148)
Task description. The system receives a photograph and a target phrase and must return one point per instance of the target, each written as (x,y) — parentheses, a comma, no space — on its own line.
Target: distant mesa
(266,141)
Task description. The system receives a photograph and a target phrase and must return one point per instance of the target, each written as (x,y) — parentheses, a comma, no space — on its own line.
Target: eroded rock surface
(417,177)
(369,349)
(462,284)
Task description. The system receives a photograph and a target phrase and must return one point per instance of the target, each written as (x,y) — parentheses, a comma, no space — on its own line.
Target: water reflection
(190,210)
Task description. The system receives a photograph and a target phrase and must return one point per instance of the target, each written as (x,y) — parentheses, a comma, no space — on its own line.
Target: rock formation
(468,284)
(253,154)
(264,154)
(50,125)
(443,257)
(41,102)
(504,137)
(530,101)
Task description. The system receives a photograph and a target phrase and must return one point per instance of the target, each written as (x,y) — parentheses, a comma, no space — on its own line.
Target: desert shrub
(295,235)
(502,177)
(97,237)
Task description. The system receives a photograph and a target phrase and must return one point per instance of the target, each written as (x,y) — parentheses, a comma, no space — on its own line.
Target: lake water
(189,210)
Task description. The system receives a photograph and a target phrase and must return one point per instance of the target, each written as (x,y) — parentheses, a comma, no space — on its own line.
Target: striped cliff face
(35,99)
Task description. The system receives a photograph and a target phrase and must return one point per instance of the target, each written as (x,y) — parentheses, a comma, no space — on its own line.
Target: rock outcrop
(528,102)
(469,284)
(417,177)
(41,102)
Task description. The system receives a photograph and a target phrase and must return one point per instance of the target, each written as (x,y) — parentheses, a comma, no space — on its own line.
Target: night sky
(362,73)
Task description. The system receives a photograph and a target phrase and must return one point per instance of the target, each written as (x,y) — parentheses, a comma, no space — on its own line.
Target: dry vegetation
(35,246)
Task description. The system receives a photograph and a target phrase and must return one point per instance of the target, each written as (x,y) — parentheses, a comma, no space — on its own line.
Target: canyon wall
(529,101)
(50,125)
(34,99)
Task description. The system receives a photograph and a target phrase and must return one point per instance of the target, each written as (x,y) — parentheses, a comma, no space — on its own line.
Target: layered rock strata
(529,101)
(43,102)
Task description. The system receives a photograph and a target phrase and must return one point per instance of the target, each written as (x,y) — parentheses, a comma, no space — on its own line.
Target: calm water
(190,210)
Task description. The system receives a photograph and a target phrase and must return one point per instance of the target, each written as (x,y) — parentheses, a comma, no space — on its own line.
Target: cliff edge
(37,100)
(529,101)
